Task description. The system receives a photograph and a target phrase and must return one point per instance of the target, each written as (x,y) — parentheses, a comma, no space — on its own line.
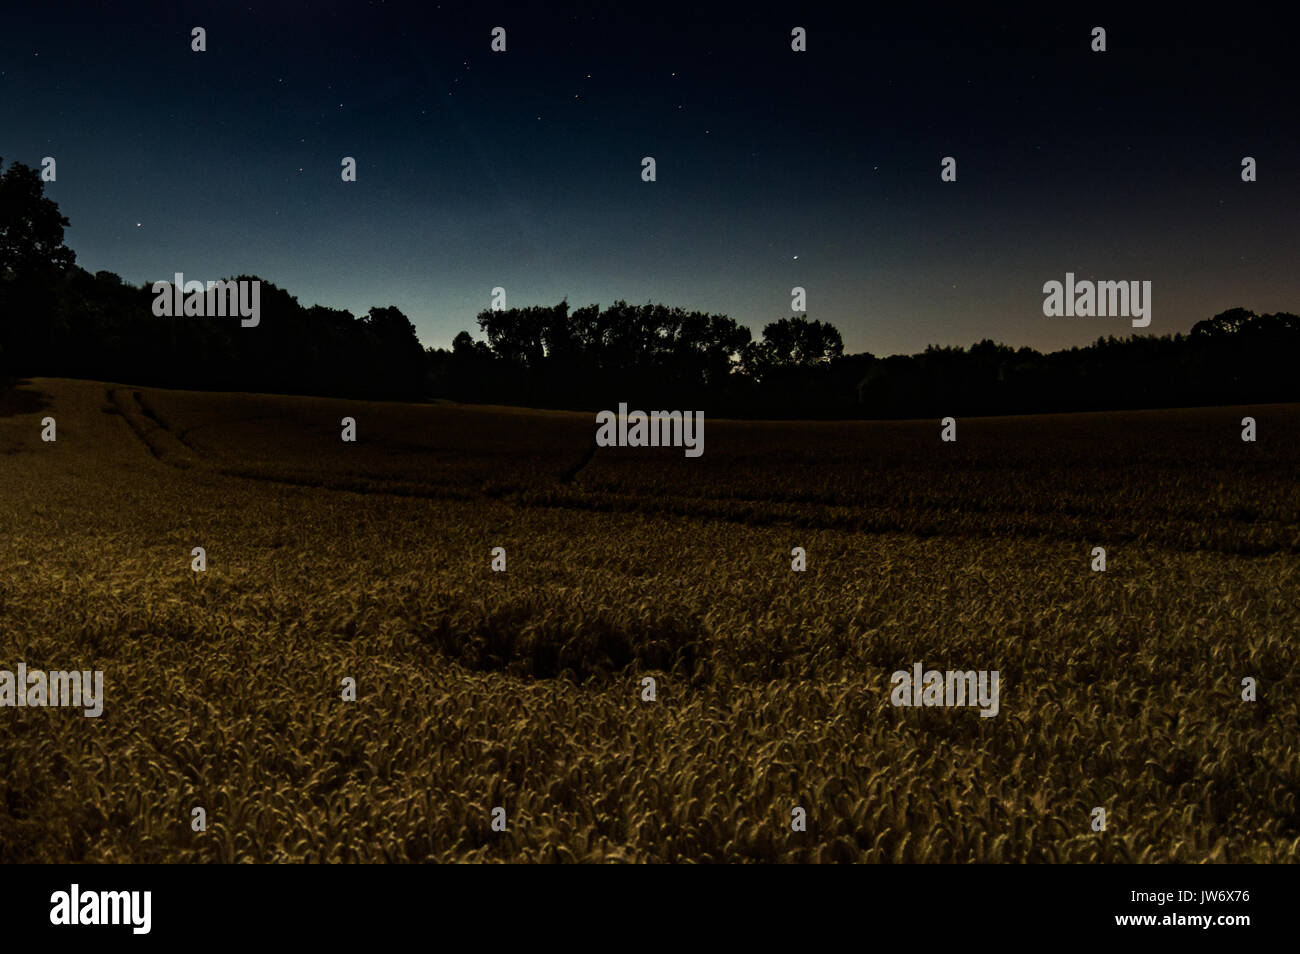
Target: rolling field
(523,689)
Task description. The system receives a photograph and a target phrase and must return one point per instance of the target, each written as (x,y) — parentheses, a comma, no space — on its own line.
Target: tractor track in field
(156,437)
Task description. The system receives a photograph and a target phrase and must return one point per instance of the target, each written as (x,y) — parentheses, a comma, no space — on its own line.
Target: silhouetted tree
(31,227)
(32,257)
(798,342)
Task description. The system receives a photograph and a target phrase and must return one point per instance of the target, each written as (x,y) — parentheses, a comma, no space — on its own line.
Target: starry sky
(821,169)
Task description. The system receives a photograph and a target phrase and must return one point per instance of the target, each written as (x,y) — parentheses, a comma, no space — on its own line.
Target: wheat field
(523,689)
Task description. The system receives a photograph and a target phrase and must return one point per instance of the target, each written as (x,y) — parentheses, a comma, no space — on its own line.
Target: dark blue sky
(522,169)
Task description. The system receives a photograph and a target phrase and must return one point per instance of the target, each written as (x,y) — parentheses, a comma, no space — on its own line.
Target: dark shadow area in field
(16,398)
(529,641)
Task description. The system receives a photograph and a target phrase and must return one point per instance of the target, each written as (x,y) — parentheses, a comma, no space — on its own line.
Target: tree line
(58,320)
(651,355)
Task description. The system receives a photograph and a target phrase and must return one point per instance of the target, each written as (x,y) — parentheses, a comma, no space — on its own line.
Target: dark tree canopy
(792,344)
(31,227)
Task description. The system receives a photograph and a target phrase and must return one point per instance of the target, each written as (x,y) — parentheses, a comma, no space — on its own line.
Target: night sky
(821,169)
